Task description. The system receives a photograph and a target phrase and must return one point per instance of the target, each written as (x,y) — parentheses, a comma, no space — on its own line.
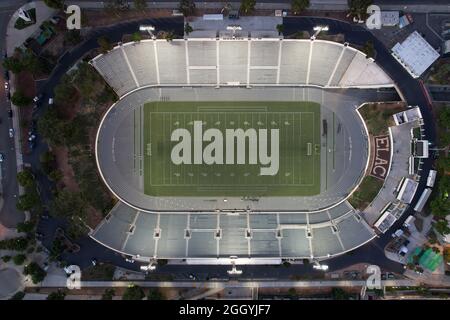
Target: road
(9,215)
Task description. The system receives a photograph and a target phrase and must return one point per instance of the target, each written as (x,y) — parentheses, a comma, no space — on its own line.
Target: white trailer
(422,200)
(431,178)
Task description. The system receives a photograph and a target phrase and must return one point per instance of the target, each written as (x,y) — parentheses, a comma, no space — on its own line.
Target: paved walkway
(11,281)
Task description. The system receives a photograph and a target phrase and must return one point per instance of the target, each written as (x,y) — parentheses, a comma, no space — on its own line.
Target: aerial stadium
(236,150)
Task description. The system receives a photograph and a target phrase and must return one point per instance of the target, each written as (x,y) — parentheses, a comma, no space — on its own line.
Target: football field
(298,127)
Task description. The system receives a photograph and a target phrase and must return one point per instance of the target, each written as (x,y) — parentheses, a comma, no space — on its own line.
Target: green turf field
(299,131)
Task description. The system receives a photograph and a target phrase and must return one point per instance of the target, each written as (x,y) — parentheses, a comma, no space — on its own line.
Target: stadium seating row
(199,62)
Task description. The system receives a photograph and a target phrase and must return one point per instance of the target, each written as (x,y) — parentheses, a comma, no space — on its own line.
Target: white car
(2,157)
(11,132)
(6,85)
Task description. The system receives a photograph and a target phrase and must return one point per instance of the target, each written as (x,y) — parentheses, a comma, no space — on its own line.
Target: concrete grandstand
(213,229)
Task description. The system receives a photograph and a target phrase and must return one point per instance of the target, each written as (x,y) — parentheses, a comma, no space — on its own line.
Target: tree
(154,294)
(68,204)
(55,175)
(65,91)
(339,294)
(187,7)
(136,37)
(72,37)
(72,206)
(28,201)
(369,49)
(35,271)
(162,262)
(75,131)
(25,178)
(187,28)
(292,292)
(358,8)
(169,36)
(444,117)
(442,227)
(247,6)
(32,63)
(105,44)
(18,296)
(16,244)
(20,99)
(298,6)
(6,259)
(19,259)
(85,78)
(280,28)
(57,295)
(51,127)
(26,227)
(13,64)
(55,4)
(133,293)
(108,294)
(140,4)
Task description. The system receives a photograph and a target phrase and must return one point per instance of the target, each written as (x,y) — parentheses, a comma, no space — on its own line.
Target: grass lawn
(378,117)
(298,124)
(100,272)
(366,192)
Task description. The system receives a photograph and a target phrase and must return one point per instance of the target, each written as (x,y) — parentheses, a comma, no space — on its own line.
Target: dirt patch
(24,82)
(70,110)
(68,176)
(94,217)
(95,18)
(55,47)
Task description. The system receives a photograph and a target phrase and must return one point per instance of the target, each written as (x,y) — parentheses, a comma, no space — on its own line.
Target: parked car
(8,95)
(50,101)
(38,97)
(2,157)
(10,113)
(6,75)
(11,132)
(31,137)
(397,233)
(6,85)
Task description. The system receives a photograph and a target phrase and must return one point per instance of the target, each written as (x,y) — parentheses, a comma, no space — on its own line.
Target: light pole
(149,29)
(234,28)
(318,29)
(234,270)
(318,266)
